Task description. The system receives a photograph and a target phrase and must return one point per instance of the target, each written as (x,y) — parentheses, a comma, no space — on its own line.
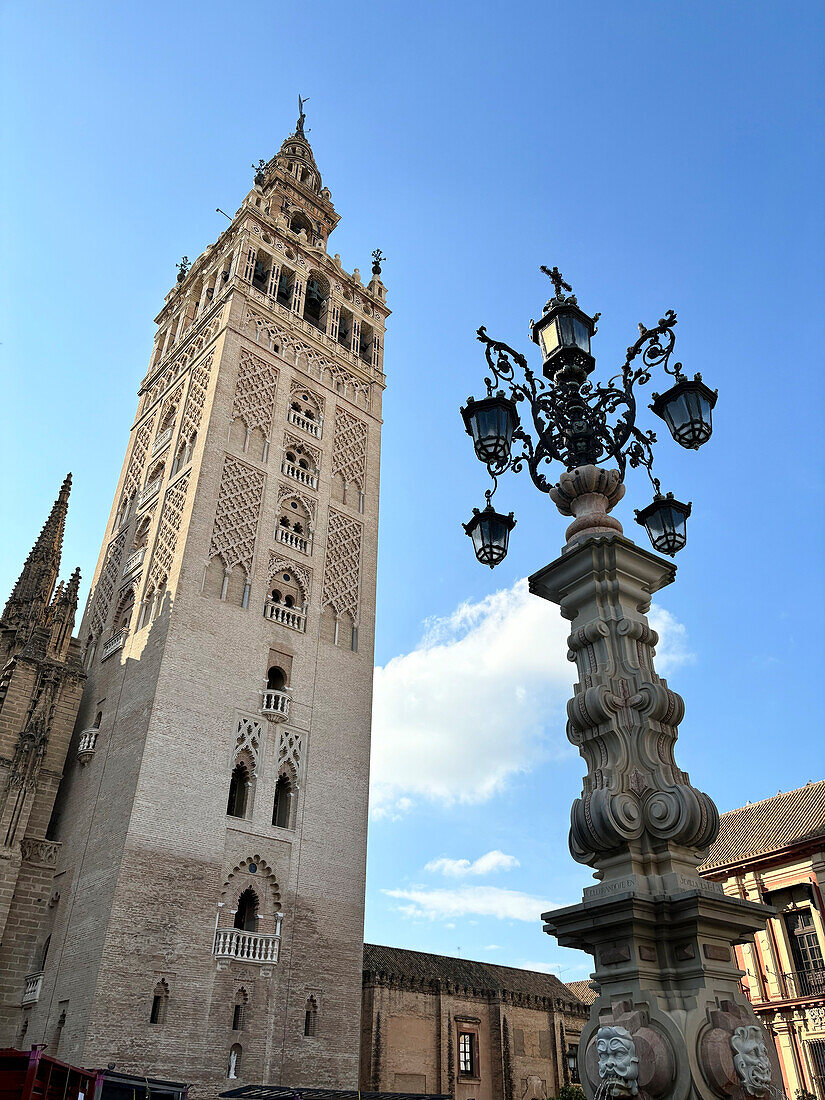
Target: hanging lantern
(490,532)
(491,423)
(665,522)
(686,409)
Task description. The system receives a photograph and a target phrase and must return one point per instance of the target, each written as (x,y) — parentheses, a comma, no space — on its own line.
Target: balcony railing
(293,617)
(232,943)
(150,491)
(306,477)
(292,538)
(805,983)
(86,746)
(313,427)
(162,440)
(134,560)
(113,644)
(31,989)
(275,704)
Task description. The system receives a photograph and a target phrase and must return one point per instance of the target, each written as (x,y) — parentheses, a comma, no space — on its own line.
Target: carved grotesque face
(750,1057)
(617,1057)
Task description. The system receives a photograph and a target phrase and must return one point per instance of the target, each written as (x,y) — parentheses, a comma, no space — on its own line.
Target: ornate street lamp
(580,423)
(670,1020)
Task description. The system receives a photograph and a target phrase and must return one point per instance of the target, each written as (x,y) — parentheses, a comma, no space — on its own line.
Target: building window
(809,975)
(283,802)
(239,1010)
(238,791)
(311,1017)
(246,915)
(466,1054)
(160,1001)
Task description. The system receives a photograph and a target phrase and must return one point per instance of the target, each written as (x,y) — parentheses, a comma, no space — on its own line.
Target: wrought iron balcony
(31,989)
(232,943)
(313,427)
(805,983)
(86,745)
(293,617)
(306,477)
(113,644)
(134,561)
(162,440)
(150,491)
(293,539)
(275,704)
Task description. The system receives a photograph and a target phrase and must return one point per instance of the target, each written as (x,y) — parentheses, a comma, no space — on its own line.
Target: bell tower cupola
(292,185)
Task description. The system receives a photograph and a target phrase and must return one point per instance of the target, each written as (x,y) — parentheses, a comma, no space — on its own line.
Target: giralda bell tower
(206,921)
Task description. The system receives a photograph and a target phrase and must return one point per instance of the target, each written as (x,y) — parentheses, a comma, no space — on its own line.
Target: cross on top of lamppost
(580,423)
(555,276)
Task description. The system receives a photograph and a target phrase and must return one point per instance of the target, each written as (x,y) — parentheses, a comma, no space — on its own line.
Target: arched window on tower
(275,679)
(246,915)
(239,1010)
(299,222)
(311,1017)
(282,807)
(316,300)
(160,1002)
(286,284)
(123,613)
(238,791)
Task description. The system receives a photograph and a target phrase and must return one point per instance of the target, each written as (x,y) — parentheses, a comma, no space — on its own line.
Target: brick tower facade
(40,688)
(214,810)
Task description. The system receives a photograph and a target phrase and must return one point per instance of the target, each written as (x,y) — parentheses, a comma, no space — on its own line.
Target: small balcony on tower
(32,985)
(276,695)
(301,464)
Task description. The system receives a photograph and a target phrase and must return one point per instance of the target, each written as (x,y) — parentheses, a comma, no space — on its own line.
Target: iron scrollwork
(576,422)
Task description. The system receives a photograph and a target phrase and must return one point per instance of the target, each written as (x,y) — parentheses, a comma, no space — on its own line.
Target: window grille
(249,268)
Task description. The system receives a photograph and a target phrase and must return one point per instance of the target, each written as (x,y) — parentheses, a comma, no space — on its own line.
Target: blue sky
(663,155)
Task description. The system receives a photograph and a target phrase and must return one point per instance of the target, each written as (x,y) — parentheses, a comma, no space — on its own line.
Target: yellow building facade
(774,852)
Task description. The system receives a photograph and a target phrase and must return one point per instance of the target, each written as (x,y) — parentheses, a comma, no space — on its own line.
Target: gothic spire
(33,591)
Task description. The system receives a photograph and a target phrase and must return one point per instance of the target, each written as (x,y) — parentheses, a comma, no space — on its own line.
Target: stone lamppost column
(671,1020)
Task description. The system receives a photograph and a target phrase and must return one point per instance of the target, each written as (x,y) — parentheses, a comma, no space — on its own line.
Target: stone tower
(40,688)
(213,815)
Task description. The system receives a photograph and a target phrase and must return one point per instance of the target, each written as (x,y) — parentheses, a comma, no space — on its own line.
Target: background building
(434,1024)
(208,921)
(40,688)
(774,851)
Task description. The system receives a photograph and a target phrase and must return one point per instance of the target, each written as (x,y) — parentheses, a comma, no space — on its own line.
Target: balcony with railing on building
(804,983)
(305,412)
(287,600)
(301,465)
(87,744)
(120,624)
(276,696)
(244,940)
(31,989)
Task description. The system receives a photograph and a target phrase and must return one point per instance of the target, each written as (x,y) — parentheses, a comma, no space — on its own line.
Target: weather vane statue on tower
(299,128)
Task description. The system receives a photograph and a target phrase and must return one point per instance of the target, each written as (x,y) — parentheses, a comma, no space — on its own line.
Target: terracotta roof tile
(583,990)
(791,817)
(464,973)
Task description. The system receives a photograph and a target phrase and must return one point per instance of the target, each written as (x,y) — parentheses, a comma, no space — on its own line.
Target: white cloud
(484,865)
(493,947)
(480,699)
(483,901)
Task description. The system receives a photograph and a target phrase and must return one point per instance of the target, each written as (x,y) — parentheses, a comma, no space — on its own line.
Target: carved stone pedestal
(671,1020)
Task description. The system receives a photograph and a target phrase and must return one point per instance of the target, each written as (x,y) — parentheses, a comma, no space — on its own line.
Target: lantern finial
(556,279)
